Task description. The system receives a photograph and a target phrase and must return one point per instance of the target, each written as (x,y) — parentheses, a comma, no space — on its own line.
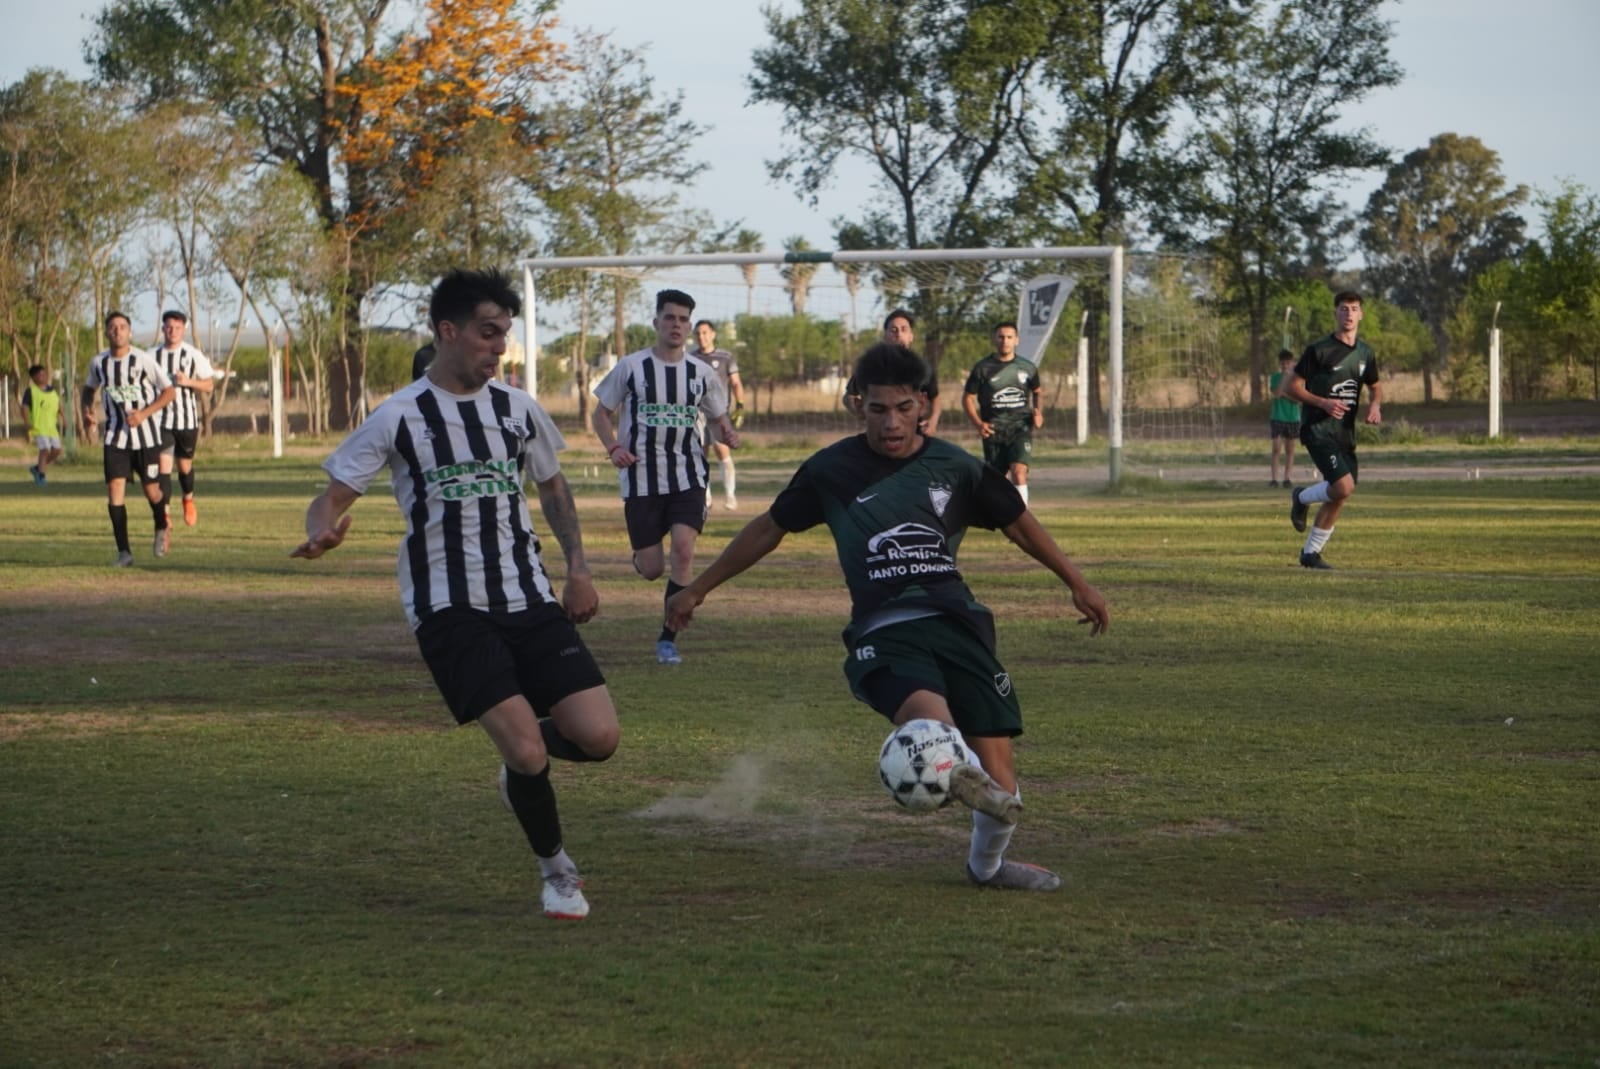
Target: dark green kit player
(1002,399)
(919,646)
(1327,382)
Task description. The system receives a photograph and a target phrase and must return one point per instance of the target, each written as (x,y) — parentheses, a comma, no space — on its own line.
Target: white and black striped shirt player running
(133,389)
(503,648)
(191,372)
(648,418)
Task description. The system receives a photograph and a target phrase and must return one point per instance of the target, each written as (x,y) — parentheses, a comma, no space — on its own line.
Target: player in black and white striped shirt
(502,647)
(192,374)
(647,418)
(133,391)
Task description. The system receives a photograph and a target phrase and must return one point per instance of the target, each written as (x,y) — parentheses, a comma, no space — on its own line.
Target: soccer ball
(916,761)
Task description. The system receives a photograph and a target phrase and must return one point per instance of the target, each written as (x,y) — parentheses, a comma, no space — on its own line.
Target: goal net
(1130,358)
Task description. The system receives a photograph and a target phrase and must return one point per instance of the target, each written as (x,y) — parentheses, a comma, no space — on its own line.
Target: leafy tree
(925,92)
(620,161)
(1564,279)
(370,122)
(1266,146)
(797,275)
(1443,214)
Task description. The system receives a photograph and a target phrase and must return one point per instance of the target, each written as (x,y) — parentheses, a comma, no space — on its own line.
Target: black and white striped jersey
(126,385)
(658,403)
(457,465)
(184,412)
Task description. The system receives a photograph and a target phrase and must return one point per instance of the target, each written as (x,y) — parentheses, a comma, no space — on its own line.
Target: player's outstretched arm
(1031,537)
(759,537)
(326,522)
(578,595)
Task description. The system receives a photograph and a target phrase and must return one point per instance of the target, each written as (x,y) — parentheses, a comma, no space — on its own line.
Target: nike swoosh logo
(863,499)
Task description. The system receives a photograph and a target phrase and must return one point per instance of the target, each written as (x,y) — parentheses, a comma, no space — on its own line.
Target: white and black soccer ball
(916,761)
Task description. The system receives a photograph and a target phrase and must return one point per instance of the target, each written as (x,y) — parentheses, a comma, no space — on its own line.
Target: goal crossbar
(1112,254)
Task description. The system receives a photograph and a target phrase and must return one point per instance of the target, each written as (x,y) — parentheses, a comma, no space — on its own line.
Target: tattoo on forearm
(555,500)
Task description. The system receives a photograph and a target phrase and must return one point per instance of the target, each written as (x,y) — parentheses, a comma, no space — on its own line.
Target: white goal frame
(1112,254)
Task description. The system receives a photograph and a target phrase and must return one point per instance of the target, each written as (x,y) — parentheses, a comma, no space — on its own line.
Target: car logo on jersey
(907,550)
(940,497)
(514,425)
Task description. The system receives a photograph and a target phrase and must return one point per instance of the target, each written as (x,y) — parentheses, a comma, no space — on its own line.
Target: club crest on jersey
(940,497)
(514,425)
(1002,683)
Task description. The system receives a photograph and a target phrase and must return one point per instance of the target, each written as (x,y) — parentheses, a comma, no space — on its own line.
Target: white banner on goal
(1042,300)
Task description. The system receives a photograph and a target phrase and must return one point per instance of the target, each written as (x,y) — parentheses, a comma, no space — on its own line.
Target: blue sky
(1520,77)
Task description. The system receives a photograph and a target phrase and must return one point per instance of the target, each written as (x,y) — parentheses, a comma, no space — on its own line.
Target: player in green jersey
(1284,420)
(1327,382)
(1003,400)
(919,645)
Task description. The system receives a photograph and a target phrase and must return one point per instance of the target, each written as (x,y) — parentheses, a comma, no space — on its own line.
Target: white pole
(275,373)
(1083,380)
(1114,373)
(530,353)
(1494,373)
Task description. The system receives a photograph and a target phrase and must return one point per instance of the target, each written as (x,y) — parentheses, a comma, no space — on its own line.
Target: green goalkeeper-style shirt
(1331,368)
(897,525)
(1284,409)
(1005,390)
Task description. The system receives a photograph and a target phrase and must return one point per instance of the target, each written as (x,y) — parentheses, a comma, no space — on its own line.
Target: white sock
(1312,495)
(728,480)
(1023,490)
(990,838)
(549,866)
(1316,538)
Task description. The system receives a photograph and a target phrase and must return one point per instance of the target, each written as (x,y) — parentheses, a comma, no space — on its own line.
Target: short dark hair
(890,365)
(705,323)
(1346,297)
(666,297)
(459,293)
(1284,354)
(34,370)
(117,315)
(899,313)
(173,313)
(1003,323)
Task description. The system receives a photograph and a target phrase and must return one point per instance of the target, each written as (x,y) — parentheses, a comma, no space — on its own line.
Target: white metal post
(275,374)
(1083,383)
(1494,373)
(1114,422)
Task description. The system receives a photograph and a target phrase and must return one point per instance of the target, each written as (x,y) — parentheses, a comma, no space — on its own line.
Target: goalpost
(796,320)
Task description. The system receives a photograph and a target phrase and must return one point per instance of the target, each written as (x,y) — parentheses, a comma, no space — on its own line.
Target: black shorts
(650,519)
(938,654)
(181,443)
(1008,446)
(145,464)
(1284,428)
(480,659)
(1332,450)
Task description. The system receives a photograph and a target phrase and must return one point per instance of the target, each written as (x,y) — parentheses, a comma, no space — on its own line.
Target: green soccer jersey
(1284,409)
(1331,368)
(1005,390)
(897,525)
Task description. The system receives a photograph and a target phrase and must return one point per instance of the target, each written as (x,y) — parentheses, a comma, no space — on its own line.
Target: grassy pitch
(1303,819)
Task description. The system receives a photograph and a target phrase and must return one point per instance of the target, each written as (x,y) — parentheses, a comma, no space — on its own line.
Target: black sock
(558,745)
(119,526)
(165,482)
(533,800)
(186,482)
(158,509)
(667,633)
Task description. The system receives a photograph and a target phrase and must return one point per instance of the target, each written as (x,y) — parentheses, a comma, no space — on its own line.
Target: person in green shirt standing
(41,407)
(1327,382)
(919,645)
(1284,420)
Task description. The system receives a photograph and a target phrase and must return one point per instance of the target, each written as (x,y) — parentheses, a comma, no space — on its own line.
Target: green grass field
(1304,819)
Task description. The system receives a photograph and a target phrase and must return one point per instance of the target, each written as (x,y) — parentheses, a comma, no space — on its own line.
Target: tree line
(309,162)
